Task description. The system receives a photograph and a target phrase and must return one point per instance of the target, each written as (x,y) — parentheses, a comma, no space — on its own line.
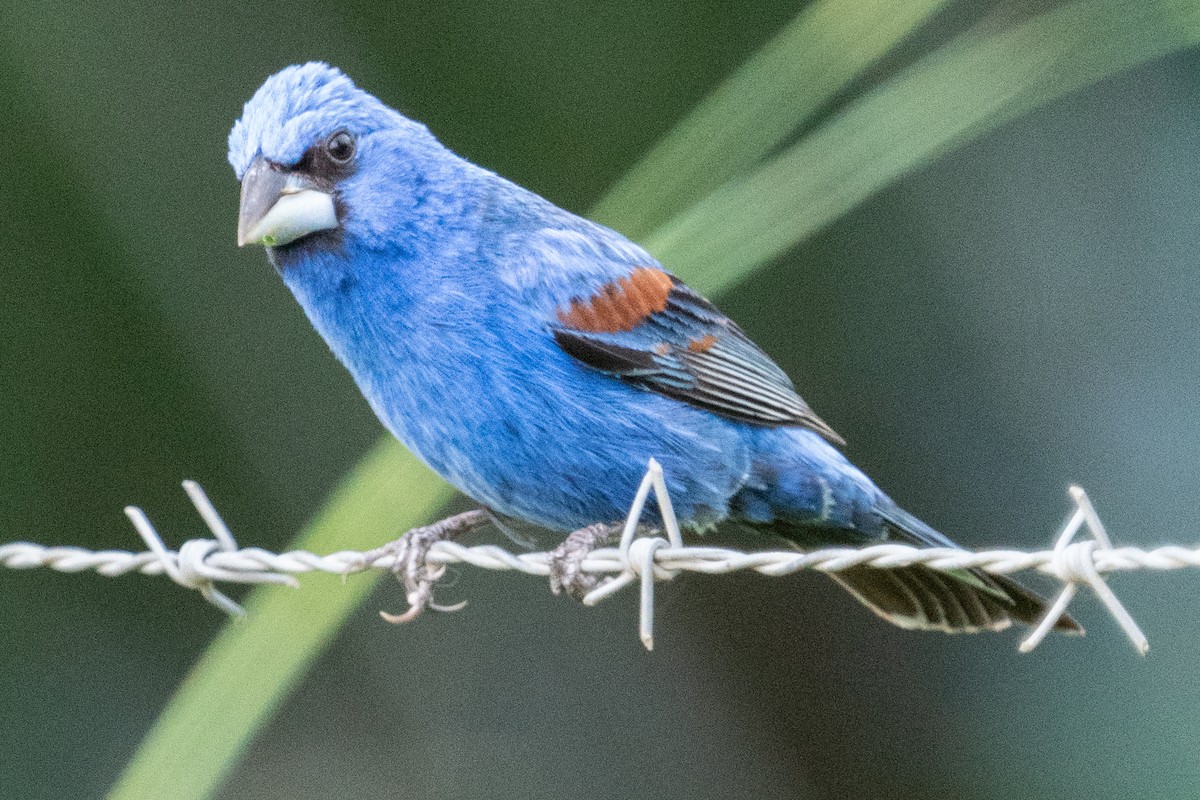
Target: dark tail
(919,597)
(959,601)
(963,601)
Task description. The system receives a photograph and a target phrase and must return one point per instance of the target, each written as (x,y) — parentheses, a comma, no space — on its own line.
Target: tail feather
(806,491)
(921,598)
(1029,607)
(957,601)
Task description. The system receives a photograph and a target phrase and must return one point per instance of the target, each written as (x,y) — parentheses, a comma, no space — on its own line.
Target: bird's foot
(566,560)
(409,564)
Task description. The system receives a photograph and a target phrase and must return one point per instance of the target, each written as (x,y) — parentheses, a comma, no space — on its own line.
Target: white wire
(200,563)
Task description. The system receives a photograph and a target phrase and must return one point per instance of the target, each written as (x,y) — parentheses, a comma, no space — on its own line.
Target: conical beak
(279,207)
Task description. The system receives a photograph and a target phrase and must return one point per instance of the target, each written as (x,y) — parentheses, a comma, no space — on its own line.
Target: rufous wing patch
(621,305)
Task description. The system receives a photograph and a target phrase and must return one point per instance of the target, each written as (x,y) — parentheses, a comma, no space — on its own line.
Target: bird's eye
(340,147)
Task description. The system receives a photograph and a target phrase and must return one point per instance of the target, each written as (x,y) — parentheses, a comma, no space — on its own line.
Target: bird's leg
(409,553)
(566,560)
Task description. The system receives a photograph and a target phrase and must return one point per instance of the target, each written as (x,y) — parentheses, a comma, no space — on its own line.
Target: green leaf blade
(778,90)
(968,88)
(256,662)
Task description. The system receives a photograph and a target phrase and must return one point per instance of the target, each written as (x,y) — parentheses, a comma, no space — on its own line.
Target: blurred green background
(1017,316)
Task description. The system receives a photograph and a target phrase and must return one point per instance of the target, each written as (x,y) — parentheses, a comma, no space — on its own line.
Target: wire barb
(1075,563)
(642,561)
(190,567)
(646,557)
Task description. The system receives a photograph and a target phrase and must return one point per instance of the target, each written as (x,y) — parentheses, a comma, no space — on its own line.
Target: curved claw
(419,600)
(413,612)
(409,563)
(450,609)
(418,580)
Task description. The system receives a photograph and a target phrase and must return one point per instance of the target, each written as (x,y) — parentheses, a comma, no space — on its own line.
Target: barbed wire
(642,555)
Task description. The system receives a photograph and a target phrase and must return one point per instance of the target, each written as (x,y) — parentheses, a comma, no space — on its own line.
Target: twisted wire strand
(200,564)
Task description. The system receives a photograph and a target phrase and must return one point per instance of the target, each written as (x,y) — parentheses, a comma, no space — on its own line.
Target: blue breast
(480,392)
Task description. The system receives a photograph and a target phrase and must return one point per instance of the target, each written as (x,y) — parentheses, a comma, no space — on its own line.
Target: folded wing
(651,330)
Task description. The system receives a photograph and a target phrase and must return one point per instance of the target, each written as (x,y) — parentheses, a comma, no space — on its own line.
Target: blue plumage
(537,360)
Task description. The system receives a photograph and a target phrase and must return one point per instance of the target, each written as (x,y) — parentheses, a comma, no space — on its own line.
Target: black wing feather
(692,352)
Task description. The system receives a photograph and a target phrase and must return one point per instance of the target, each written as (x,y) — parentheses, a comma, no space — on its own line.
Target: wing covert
(654,332)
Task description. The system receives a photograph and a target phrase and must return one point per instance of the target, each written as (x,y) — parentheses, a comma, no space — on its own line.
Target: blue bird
(537,361)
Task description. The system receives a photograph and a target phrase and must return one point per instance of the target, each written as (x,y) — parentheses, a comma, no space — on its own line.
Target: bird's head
(309,145)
